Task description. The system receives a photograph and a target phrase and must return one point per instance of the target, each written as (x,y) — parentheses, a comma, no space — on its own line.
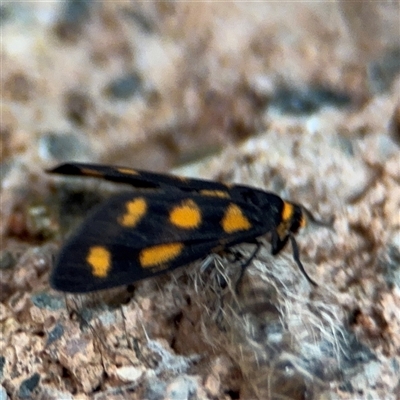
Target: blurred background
(159,84)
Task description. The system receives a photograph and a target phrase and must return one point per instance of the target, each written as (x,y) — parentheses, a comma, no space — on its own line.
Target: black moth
(165,223)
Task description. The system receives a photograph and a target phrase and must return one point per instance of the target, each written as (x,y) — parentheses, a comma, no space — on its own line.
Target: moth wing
(131,237)
(136,178)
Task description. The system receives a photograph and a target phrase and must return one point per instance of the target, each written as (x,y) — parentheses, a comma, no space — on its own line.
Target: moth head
(292,219)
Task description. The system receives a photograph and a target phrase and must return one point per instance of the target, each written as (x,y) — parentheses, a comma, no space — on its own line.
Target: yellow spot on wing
(135,210)
(186,215)
(99,258)
(156,255)
(234,220)
(128,171)
(90,172)
(214,193)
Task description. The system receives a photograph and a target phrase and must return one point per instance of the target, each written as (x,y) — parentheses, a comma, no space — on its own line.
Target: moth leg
(222,284)
(247,262)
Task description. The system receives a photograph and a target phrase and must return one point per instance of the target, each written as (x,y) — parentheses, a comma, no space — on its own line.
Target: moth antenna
(314,221)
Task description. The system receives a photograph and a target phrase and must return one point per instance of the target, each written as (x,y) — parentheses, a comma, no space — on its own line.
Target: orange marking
(135,210)
(215,193)
(287,211)
(90,172)
(234,220)
(157,255)
(99,259)
(303,220)
(128,171)
(187,215)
